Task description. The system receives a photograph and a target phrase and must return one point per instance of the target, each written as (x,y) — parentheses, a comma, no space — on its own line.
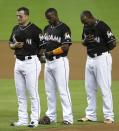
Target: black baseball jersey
(30,35)
(102,35)
(55,36)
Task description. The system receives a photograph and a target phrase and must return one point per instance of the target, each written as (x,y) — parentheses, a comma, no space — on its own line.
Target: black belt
(53,58)
(96,54)
(22,58)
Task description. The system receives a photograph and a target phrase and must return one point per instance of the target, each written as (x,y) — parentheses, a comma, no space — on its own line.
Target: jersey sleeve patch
(66,38)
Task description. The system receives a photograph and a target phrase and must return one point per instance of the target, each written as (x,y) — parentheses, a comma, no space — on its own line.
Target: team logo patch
(109,34)
(67,36)
(41,37)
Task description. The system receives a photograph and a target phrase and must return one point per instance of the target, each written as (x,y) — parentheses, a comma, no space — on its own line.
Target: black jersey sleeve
(38,36)
(42,38)
(109,38)
(17,35)
(66,35)
(83,34)
(107,34)
(12,39)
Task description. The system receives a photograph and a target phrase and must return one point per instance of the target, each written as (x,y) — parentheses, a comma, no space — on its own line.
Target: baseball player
(99,41)
(57,37)
(25,40)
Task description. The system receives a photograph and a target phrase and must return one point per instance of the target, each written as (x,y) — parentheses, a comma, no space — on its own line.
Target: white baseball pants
(57,77)
(26,75)
(98,73)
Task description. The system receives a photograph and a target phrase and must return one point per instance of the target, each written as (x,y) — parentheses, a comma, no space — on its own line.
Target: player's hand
(49,53)
(42,58)
(18,44)
(41,51)
(90,38)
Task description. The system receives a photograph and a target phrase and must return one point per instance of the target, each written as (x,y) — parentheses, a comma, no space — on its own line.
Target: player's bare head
(22,15)
(87,18)
(51,15)
(24,9)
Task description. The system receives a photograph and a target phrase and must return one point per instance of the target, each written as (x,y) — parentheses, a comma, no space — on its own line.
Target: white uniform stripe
(66,80)
(36,86)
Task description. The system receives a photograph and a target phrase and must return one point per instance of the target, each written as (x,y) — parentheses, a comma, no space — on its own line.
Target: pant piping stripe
(66,82)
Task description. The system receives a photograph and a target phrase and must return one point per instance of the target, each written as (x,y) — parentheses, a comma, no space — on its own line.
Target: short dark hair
(51,10)
(87,13)
(26,10)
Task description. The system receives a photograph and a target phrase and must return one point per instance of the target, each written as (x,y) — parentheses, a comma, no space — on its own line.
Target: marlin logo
(14,39)
(41,37)
(52,38)
(97,39)
(109,34)
(67,36)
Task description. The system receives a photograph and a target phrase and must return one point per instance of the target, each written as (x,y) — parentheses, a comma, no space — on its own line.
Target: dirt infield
(77,58)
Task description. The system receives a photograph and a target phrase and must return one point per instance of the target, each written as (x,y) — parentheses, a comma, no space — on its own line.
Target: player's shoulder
(15,27)
(102,24)
(61,24)
(64,25)
(46,27)
(35,27)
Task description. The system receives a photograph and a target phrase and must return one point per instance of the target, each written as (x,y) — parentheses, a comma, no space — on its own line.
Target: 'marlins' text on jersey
(55,36)
(52,38)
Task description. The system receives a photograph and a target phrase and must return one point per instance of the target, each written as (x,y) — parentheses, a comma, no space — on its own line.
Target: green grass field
(8,104)
(69,12)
